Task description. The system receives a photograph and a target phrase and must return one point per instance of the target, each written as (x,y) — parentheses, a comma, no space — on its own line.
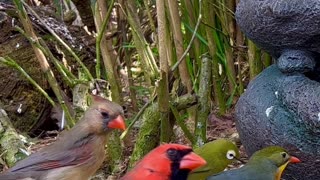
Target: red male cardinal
(78,153)
(166,162)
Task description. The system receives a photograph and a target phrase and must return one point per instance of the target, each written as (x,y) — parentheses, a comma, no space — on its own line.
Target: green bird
(218,154)
(265,164)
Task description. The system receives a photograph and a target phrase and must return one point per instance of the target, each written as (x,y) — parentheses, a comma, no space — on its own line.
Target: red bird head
(168,161)
(104,115)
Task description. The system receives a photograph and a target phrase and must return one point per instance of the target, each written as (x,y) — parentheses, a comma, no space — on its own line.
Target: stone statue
(282,105)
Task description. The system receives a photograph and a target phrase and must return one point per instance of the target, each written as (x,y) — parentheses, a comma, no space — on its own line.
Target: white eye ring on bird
(284,155)
(231,154)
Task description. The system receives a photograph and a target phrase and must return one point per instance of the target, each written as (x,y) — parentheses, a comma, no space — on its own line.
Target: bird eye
(284,155)
(231,154)
(104,114)
(172,152)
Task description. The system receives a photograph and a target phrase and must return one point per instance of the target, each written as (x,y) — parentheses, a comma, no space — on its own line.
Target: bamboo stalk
(101,34)
(106,48)
(240,58)
(127,57)
(86,70)
(101,16)
(66,74)
(45,67)
(254,57)
(162,88)
(12,63)
(148,136)
(208,18)
(178,41)
(204,99)
(229,29)
(151,70)
(189,12)
(267,59)
(151,21)
(182,124)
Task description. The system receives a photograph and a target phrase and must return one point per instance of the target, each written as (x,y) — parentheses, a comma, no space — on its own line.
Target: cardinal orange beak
(294,160)
(192,161)
(117,123)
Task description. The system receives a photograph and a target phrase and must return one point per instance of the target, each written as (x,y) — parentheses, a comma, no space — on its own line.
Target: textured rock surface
(282,105)
(284,110)
(276,25)
(296,61)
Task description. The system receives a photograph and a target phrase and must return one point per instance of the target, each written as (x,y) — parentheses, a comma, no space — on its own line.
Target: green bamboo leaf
(197,34)
(93,4)
(230,99)
(20,8)
(219,43)
(58,5)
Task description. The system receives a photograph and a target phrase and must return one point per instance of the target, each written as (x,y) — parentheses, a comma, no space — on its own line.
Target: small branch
(181,123)
(86,70)
(11,63)
(204,99)
(63,71)
(136,118)
(183,102)
(174,67)
(45,67)
(99,38)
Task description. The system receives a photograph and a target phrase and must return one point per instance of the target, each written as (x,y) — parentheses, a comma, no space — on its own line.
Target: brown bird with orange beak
(78,153)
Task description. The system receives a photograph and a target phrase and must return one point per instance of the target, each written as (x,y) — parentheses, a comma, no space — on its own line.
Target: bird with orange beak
(265,164)
(78,153)
(166,162)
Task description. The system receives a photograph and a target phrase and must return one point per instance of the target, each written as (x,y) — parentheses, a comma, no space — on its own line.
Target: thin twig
(174,67)
(63,71)
(99,38)
(11,63)
(123,135)
(181,124)
(86,70)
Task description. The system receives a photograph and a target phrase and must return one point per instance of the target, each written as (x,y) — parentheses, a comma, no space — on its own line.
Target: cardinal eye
(231,154)
(172,152)
(105,115)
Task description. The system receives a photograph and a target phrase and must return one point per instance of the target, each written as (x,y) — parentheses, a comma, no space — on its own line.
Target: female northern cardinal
(266,164)
(78,153)
(166,162)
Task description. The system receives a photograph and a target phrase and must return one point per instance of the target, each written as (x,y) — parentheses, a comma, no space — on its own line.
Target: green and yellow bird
(218,154)
(266,164)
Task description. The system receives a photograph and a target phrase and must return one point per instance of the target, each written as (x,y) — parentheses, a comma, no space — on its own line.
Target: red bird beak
(192,161)
(294,160)
(117,123)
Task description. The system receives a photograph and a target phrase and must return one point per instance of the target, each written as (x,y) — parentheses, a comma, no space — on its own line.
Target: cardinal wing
(46,160)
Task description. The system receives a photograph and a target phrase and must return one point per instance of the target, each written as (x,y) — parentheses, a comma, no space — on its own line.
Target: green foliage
(199,36)
(58,5)
(19,5)
(12,63)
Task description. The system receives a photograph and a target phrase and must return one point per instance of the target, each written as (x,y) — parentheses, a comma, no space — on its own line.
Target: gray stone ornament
(277,25)
(281,106)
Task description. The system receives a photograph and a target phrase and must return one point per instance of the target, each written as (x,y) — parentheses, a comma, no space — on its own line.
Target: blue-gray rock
(284,110)
(292,61)
(277,25)
(282,105)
